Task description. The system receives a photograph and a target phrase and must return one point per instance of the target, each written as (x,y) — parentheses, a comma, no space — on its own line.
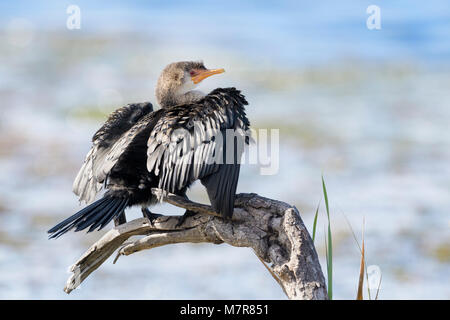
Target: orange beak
(203,74)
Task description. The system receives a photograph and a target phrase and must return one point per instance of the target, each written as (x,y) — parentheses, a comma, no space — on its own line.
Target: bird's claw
(150,215)
(183,218)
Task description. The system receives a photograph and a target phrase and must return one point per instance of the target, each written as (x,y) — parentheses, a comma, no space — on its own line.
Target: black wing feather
(109,142)
(220,110)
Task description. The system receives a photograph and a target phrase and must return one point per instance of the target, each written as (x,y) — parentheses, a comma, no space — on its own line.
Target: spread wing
(190,142)
(109,142)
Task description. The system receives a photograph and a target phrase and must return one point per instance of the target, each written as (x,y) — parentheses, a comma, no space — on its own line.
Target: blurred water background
(368,109)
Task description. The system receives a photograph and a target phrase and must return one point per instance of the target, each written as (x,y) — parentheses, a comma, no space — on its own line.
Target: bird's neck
(175,98)
(189,97)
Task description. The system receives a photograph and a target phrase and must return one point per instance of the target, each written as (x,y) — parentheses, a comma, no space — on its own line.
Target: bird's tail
(97,214)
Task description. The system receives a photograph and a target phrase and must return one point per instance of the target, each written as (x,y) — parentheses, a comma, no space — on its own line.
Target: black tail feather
(80,219)
(115,211)
(99,213)
(76,215)
(94,215)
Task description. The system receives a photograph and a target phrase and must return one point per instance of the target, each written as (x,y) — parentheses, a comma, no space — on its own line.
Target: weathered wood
(273,229)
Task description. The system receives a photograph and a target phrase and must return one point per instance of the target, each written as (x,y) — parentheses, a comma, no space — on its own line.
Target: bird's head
(178,80)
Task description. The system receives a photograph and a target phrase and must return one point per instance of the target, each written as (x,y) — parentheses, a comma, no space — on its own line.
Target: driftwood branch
(273,229)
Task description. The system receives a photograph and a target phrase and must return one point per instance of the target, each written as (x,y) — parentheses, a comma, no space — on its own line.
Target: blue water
(281,32)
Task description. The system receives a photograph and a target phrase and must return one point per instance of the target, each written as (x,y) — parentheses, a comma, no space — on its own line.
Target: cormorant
(138,149)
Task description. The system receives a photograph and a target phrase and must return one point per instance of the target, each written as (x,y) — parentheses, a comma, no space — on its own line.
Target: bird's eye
(192,73)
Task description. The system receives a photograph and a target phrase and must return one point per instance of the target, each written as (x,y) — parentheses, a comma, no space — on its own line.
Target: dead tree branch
(273,229)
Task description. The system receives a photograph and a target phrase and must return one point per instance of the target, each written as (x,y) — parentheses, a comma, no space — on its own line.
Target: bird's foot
(150,215)
(120,219)
(183,218)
